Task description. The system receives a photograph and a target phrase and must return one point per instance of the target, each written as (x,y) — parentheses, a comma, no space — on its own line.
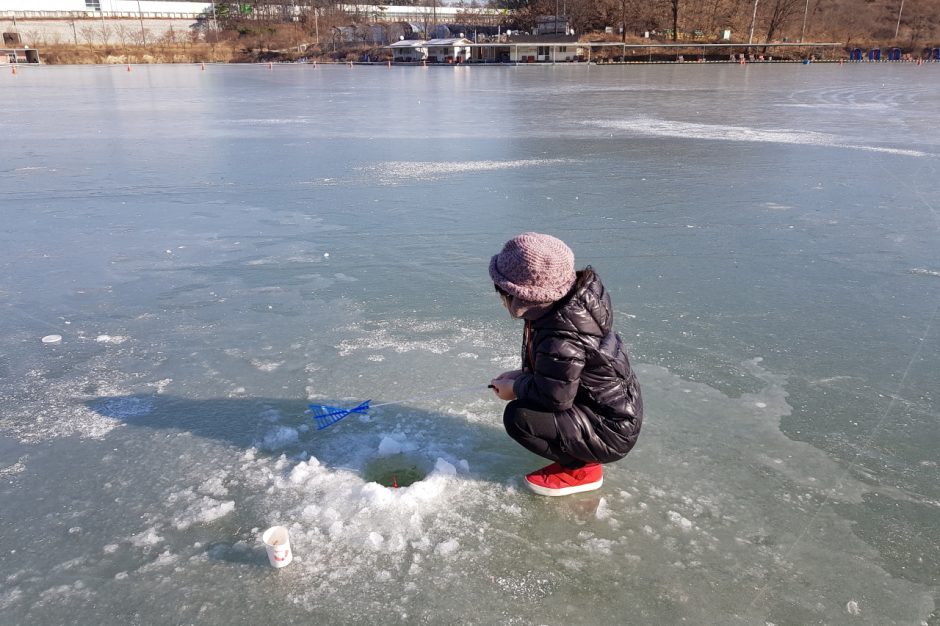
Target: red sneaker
(554,480)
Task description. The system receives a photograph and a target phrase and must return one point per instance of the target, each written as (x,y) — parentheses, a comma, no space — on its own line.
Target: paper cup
(277,542)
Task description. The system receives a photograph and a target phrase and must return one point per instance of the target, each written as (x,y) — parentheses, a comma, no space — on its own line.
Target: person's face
(503,297)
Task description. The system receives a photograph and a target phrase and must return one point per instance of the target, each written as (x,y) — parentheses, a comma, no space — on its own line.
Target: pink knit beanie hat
(534,267)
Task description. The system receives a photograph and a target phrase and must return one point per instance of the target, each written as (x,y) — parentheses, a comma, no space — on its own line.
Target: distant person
(576,400)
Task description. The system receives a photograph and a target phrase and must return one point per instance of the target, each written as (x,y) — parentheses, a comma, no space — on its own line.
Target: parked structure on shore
(19,55)
(568,49)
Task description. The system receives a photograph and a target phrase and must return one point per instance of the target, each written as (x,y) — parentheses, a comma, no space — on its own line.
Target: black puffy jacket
(576,366)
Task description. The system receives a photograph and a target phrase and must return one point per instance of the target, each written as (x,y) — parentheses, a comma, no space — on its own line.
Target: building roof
(409,43)
(451,41)
(544,40)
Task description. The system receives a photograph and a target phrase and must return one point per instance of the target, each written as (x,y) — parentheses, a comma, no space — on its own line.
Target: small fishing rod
(325,415)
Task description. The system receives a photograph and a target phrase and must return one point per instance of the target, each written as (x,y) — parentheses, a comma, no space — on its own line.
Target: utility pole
(805,11)
(750,39)
(898,27)
(143,38)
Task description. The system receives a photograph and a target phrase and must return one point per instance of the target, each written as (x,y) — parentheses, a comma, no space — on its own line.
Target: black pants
(537,432)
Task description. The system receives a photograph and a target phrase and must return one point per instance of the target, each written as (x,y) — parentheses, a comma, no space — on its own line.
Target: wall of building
(44,32)
(32,7)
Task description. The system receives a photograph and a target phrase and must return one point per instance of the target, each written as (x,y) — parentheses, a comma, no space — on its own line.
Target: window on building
(543,51)
(563,48)
(94,5)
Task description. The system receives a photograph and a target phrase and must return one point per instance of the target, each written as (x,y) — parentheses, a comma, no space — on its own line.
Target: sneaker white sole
(564,491)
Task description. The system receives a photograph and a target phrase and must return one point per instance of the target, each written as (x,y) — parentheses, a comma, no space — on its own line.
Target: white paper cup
(277,542)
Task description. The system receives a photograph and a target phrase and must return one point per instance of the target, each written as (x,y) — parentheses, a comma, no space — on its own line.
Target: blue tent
(874,54)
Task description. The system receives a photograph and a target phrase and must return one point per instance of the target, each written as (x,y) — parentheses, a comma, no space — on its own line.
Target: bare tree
(780,12)
(89,35)
(33,37)
(105,30)
(921,20)
(674,6)
(123,33)
(141,38)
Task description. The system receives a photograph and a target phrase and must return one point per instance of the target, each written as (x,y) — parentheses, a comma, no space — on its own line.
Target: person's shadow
(468,430)
(394,445)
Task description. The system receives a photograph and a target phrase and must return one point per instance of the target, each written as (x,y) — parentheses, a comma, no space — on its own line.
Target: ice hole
(400,469)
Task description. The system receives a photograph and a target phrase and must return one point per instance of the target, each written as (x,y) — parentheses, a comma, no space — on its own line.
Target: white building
(409,50)
(194,8)
(453,50)
(56,8)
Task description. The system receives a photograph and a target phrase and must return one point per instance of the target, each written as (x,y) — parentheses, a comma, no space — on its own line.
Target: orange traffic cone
(13,67)
(128,67)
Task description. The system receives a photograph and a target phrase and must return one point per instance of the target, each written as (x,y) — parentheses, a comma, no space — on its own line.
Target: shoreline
(914,62)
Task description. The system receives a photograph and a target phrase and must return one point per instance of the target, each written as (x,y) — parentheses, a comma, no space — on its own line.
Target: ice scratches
(747,430)
(716,132)
(397,172)
(9,597)
(715,488)
(39,407)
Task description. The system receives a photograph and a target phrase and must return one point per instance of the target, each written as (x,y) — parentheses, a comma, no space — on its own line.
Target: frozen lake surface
(218,248)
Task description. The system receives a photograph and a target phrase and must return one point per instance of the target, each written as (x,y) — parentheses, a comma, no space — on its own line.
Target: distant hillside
(849,21)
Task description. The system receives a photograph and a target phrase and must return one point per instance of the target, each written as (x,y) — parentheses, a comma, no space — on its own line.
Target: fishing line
(26,315)
(433,394)
(326,415)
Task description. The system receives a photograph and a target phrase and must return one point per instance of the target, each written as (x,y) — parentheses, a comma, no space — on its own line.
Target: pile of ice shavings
(344,528)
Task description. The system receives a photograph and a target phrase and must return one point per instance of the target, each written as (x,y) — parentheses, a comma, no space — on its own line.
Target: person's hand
(502,387)
(510,375)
